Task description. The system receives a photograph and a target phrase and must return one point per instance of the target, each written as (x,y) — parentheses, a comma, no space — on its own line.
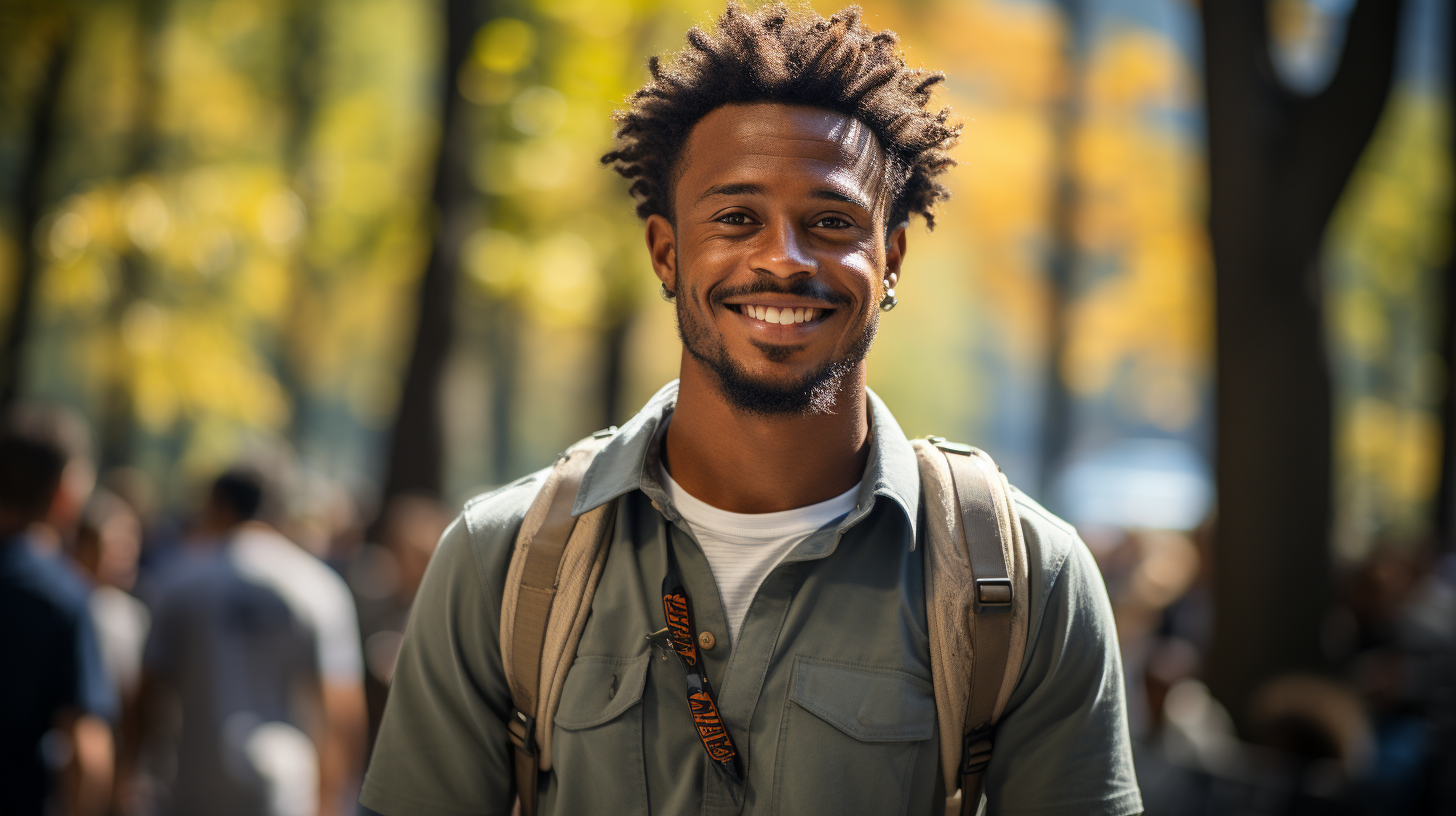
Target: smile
(779,315)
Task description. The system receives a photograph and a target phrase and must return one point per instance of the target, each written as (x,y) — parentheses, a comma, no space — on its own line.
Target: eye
(832,222)
(734,219)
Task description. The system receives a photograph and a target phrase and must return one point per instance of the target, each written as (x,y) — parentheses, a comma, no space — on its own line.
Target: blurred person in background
(56,701)
(325,520)
(259,648)
(108,546)
(1312,743)
(1400,647)
(159,529)
(1146,571)
(55,530)
(384,578)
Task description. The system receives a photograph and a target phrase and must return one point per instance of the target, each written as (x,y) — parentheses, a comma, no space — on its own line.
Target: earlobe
(662,249)
(895,255)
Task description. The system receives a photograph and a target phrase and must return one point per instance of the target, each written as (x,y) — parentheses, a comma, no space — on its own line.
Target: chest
(825,691)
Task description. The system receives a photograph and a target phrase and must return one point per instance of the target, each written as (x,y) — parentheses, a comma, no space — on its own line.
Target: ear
(895,255)
(662,249)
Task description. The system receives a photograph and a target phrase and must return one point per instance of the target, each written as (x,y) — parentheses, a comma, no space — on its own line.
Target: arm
(341,730)
(443,746)
(341,750)
(132,794)
(87,777)
(1063,745)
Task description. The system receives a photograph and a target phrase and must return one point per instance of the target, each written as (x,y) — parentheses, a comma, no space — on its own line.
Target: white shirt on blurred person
(259,644)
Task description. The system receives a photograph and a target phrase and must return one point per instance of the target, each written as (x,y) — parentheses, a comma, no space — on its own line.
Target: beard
(812,393)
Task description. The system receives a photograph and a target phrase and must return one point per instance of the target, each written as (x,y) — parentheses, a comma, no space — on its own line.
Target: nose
(783,251)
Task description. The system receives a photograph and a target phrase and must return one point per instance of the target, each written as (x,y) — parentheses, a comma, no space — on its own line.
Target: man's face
(779,256)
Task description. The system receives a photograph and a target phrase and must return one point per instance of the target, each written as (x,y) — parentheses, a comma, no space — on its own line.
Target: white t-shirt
(743,548)
(235,639)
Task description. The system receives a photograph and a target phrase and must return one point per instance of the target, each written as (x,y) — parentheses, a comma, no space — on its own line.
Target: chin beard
(814,393)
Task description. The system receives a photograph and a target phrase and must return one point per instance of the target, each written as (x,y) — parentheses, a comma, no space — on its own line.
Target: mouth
(780,315)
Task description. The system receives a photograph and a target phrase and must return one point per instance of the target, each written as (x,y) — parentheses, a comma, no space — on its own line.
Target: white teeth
(783,316)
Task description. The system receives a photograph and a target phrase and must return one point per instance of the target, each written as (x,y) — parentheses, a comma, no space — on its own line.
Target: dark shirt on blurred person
(55,669)
(56,700)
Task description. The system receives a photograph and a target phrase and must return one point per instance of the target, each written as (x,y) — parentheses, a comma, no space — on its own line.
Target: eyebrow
(758,189)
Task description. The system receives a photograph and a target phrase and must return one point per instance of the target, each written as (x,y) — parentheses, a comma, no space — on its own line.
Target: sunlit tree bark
(1278,163)
(1058,416)
(32,202)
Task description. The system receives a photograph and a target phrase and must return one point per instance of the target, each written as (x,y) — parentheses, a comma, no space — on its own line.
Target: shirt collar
(624,464)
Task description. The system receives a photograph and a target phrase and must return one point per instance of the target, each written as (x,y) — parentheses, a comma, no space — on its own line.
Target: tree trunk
(1278,163)
(614,369)
(1445,510)
(416,453)
(1058,414)
(32,195)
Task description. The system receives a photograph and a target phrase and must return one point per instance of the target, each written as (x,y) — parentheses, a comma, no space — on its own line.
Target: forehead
(779,147)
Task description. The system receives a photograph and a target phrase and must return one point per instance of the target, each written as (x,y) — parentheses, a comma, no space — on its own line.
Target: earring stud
(666,293)
(888,301)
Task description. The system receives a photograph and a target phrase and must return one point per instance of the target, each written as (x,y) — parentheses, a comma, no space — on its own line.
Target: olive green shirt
(826,692)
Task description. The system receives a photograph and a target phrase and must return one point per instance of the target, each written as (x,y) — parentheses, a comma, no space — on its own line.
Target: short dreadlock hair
(795,57)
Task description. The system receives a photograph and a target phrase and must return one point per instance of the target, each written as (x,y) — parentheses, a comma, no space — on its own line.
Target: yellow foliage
(505,45)
(1008,52)
(249,236)
(1396,450)
(1386,254)
(1135,69)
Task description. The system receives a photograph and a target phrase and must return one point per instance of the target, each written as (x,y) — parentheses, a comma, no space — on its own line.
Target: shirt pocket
(850,738)
(596,750)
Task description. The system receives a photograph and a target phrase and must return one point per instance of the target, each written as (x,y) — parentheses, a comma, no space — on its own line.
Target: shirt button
(706,639)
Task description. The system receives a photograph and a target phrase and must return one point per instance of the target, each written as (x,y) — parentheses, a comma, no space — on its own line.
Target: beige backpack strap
(549,587)
(977,604)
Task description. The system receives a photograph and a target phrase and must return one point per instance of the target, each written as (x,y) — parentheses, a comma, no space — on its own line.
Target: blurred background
(1192,292)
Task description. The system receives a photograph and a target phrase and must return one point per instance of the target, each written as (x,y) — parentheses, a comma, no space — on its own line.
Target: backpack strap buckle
(523,732)
(976,750)
(950,447)
(993,591)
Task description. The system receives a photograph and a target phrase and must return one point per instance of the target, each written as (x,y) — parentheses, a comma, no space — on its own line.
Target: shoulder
(1065,582)
(1062,745)
(45,582)
(477,545)
(502,509)
(305,583)
(1049,539)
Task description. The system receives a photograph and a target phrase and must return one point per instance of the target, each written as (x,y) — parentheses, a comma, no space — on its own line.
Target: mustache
(799,287)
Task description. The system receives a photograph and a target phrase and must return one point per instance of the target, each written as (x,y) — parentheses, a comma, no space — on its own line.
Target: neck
(749,463)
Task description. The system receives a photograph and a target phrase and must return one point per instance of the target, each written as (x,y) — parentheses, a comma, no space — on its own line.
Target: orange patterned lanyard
(678,638)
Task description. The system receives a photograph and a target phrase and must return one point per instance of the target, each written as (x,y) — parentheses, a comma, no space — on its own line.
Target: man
(776,162)
(56,701)
(260,647)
